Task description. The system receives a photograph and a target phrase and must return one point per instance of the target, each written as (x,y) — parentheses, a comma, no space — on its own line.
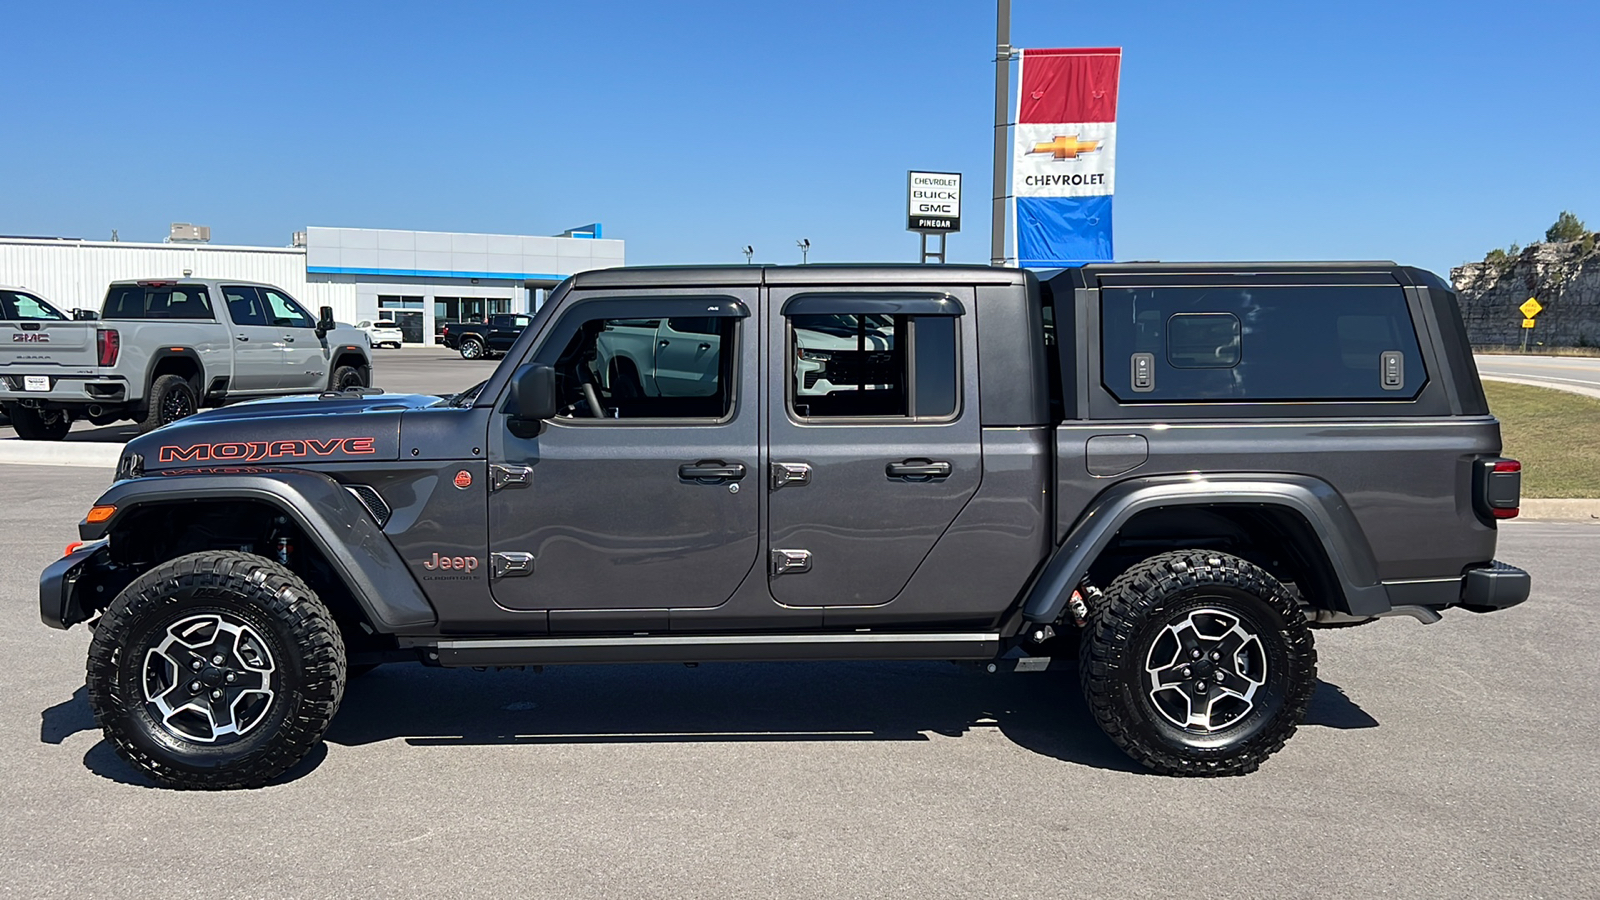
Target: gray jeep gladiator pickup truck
(1170,474)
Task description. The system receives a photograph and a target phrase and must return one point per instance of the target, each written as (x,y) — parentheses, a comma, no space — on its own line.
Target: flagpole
(1002,98)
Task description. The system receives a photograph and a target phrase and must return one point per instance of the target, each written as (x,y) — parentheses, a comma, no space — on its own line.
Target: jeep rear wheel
(215,670)
(40,425)
(1198,663)
(471,348)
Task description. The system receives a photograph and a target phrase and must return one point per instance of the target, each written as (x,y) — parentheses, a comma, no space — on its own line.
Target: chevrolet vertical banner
(1062,175)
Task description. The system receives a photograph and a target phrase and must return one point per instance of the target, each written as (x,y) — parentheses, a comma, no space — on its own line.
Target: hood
(288,431)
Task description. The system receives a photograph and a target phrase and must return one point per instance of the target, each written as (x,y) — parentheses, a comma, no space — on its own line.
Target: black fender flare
(1343,541)
(337,352)
(329,515)
(164,354)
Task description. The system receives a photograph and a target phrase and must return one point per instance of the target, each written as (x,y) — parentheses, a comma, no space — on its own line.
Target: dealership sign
(934,202)
(1064,163)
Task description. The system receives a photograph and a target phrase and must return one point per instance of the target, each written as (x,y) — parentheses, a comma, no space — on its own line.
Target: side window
(244,305)
(630,368)
(27,308)
(283,311)
(872,365)
(1270,343)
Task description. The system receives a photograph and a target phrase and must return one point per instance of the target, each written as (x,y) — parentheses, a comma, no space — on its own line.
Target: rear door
(257,346)
(874,437)
(38,341)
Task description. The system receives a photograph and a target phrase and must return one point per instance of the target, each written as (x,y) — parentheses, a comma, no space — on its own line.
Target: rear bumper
(1494,587)
(72,390)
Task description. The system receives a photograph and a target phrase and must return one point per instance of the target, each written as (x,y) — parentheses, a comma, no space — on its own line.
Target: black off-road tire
(1121,642)
(33,425)
(302,646)
(346,377)
(472,348)
(171,398)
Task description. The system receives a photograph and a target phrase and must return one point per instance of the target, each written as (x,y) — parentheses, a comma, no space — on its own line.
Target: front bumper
(1494,587)
(59,603)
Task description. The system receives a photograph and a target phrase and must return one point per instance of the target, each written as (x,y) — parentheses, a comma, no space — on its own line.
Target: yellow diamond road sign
(1530,308)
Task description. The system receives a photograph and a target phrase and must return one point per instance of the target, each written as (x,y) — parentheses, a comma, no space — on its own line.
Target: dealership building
(419,279)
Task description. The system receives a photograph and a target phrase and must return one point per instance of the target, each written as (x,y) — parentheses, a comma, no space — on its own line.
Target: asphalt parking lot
(1454,760)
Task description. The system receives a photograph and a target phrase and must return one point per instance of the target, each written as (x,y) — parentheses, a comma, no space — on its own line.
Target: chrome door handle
(918,469)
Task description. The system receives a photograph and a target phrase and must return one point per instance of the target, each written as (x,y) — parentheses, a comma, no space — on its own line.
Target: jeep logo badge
(463,479)
(461,563)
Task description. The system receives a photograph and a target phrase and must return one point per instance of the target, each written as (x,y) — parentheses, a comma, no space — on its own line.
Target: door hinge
(790,562)
(786,474)
(512,564)
(501,477)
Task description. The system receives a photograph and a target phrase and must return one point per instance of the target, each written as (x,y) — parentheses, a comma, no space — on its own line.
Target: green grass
(1555,434)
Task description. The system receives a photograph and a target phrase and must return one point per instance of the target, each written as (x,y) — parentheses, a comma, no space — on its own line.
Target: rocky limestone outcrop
(1563,276)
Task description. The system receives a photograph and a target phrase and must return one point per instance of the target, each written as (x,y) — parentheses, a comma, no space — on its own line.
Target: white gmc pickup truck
(161,349)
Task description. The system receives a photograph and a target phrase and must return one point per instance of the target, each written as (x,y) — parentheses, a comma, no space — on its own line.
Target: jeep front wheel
(1198,663)
(215,670)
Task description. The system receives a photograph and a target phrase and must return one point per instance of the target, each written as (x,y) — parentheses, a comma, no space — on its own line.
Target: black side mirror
(84,315)
(325,322)
(533,394)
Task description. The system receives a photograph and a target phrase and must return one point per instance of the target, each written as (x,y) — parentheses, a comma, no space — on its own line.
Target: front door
(639,495)
(305,361)
(257,345)
(874,438)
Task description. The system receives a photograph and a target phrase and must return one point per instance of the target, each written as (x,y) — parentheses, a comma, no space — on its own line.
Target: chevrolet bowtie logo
(1066,147)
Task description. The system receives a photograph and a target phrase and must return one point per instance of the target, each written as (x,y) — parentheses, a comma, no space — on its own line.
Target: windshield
(16,305)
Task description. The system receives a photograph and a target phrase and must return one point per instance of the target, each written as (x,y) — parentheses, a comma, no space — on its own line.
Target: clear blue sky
(1422,132)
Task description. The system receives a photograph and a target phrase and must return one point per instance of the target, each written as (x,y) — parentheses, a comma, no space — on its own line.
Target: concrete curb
(59,453)
(1561,510)
(1534,382)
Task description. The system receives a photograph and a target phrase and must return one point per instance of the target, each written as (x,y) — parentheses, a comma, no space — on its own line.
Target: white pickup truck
(161,349)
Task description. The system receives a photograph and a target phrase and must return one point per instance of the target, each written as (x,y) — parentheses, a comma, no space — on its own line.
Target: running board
(711,648)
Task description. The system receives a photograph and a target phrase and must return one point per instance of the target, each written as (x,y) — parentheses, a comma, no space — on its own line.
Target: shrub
(1568,227)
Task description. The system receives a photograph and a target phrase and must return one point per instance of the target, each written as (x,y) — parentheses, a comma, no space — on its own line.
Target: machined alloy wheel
(471,349)
(1198,663)
(210,678)
(215,670)
(1204,671)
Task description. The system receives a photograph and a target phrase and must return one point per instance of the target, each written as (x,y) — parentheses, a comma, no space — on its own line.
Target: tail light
(1497,488)
(109,343)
